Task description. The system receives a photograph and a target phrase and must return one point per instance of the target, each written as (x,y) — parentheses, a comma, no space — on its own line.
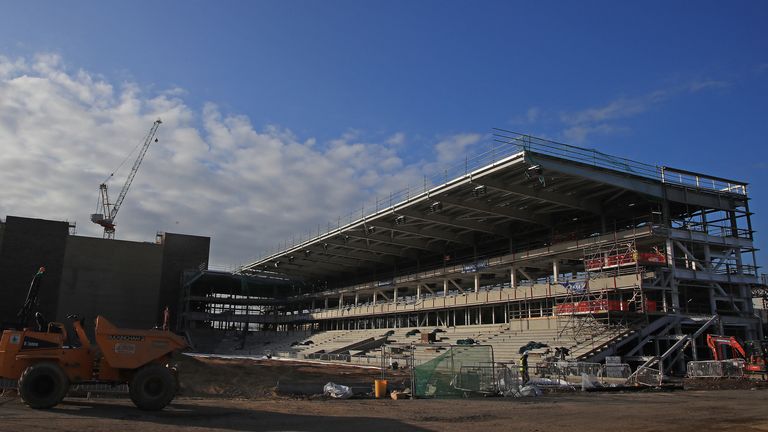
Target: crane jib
(109,210)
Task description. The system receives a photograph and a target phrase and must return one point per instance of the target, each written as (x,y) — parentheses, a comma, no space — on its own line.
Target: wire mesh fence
(457,371)
(733,368)
(648,376)
(618,371)
(573,372)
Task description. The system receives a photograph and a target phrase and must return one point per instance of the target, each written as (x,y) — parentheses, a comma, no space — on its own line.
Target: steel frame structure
(526,215)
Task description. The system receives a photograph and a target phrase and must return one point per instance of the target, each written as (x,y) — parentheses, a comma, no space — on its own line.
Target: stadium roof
(522,189)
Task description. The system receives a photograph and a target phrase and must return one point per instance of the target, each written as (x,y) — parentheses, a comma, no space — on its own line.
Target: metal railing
(716,267)
(346,358)
(716,230)
(701,181)
(574,153)
(599,159)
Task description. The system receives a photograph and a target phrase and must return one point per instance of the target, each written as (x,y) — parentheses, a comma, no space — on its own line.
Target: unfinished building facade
(128,282)
(609,256)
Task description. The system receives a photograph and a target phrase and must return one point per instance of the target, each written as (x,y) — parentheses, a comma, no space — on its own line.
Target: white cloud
(601,120)
(211,173)
(617,109)
(531,116)
(579,133)
(697,86)
(397,139)
(453,148)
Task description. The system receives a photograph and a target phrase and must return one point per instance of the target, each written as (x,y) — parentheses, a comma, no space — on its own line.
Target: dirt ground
(727,410)
(272,395)
(244,378)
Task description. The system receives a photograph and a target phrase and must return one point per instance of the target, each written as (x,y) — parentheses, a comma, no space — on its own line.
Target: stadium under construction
(531,241)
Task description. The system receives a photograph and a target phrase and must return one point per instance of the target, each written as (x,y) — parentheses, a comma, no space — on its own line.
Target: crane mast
(109,210)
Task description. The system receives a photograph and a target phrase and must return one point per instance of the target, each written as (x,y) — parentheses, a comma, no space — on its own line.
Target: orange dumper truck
(47,360)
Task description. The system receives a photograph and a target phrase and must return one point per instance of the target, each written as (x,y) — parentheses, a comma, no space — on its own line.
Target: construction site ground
(244,395)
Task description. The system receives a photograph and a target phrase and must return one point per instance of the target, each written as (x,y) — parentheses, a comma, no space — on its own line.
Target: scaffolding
(586,311)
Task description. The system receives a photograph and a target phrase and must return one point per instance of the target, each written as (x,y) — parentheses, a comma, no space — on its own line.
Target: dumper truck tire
(43,385)
(152,387)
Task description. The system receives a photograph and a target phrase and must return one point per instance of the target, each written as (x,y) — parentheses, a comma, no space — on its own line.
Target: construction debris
(398,394)
(530,391)
(337,391)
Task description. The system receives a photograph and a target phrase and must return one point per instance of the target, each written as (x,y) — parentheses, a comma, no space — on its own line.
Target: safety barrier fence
(648,376)
(619,370)
(486,378)
(604,373)
(732,368)
(565,369)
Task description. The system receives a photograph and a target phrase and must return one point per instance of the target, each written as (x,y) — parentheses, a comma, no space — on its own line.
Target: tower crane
(109,210)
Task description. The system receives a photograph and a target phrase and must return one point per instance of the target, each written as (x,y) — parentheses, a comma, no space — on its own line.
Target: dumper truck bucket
(131,349)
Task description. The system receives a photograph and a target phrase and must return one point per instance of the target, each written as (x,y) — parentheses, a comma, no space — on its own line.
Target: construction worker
(524,368)
(166,318)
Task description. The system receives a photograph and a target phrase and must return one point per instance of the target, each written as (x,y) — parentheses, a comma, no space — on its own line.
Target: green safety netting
(457,371)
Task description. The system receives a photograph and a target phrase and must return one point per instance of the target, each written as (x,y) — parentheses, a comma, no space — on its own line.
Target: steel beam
(478,205)
(422,232)
(541,195)
(452,222)
(370,248)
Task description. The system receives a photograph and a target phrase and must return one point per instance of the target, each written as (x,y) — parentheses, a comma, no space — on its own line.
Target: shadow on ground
(230,418)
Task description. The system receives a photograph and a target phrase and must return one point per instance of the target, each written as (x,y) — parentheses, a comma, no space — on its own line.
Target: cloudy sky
(278,117)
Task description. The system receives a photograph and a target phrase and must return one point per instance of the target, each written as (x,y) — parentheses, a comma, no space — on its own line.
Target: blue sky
(677,83)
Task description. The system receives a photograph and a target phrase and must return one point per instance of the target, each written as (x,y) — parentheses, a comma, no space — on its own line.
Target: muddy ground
(243,395)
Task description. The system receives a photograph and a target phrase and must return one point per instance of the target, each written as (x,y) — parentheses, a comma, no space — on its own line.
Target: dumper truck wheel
(43,385)
(152,387)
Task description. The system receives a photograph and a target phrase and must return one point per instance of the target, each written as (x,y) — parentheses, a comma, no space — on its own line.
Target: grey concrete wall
(26,245)
(180,252)
(127,282)
(117,279)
